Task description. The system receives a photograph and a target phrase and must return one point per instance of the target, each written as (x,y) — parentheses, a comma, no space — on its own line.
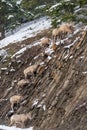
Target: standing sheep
(30,70)
(62,31)
(15,100)
(20,119)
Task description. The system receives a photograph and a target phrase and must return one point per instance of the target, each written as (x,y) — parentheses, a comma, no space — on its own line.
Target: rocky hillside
(56,94)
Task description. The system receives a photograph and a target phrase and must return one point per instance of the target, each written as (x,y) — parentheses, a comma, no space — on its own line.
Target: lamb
(15,100)
(22,83)
(54,46)
(20,119)
(30,70)
(45,41)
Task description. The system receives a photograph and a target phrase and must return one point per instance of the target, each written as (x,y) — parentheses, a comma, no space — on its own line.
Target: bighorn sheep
(54,46)
(45,41)
(30,70)
(20,119)
(15,100)
(22,83)
(62,30)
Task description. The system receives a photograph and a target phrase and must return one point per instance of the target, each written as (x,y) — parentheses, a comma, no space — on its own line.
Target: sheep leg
(23,125)
(53,38)
(25,76)
(11,124)
(61,36)
(18,123)
(17,90)
(12,107)
(18,105)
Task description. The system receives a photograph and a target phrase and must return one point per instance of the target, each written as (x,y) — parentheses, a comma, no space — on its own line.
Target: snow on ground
(35,102)
(85,72)
(30,29)
(54,6)
(3,127)
(21,51)
(3,53)
(49,51)
(75,41)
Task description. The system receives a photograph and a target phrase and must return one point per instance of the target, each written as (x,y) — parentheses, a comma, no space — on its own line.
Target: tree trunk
(2,31)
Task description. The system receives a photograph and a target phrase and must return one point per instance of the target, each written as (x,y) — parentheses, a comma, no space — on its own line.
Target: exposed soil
(60,86)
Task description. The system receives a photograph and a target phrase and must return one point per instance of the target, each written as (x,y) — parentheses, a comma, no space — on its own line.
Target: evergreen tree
(10,15)
(32,4)
(65,10)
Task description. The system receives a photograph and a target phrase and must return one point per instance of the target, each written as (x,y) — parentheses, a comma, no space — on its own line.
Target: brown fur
(54,47)
(45,41)
(19,119)
(15,100)
(30,70)
(62,31)
(22,83)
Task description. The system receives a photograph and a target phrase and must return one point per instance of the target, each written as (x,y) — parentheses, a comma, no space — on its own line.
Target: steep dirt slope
(57,95)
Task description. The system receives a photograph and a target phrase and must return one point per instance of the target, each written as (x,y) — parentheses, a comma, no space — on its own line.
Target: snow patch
(3,127)
(40,7)
(29,30)
(3,69)
(75,41)
(36,57)
(21,51)
(19,2)
(49,51)
(49,57)
(70,57)
(85,29)
(12,70)
(66,56)
(55,6)
(76,31)
(35,102)
(3,53)
(85,72)
(44,107)
(10,16)
(42,63)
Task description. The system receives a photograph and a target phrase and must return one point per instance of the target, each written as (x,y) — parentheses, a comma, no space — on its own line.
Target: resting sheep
(20,119)
(22,83)
(30,70)
(62,31)
(15,100)
(45,41)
